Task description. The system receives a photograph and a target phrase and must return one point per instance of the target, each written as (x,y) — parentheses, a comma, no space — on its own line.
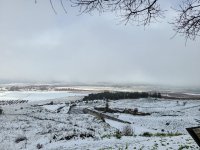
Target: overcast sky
(37,45)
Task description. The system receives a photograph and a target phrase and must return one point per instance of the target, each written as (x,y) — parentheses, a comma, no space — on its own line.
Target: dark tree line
(121,95)
(143,12)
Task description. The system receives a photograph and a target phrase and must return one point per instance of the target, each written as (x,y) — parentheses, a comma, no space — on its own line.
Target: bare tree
(144,12)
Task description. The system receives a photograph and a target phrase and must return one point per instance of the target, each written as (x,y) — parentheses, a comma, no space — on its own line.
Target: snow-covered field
(30,126)
(37,95)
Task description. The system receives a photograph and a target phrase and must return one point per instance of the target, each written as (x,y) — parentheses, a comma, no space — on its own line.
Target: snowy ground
(37,95)
(46,128)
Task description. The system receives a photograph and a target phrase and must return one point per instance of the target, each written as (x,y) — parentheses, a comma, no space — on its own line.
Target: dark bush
(39,146)
(51,103)
(147,134)
(1,111)
(118,134)
(19,139)
(135,110)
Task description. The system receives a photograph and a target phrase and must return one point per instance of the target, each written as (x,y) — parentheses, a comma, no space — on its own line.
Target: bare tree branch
(140,11)
(61,2)
(143,12)
(188,21)
(52,6)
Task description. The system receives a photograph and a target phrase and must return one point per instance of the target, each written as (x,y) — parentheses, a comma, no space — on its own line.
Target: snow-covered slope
(30,126)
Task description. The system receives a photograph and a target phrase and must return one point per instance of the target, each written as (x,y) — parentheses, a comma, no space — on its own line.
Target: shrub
(118,134)
(39,146)
(1,111)
(126,146)
(135,110)
(127,130)
(147,134)
(51,103)
(184,103)
(19,139)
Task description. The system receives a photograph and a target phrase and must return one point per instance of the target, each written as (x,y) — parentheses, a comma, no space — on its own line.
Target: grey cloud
(37,45)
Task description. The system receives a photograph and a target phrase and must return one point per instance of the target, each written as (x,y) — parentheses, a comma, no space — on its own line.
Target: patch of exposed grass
(183,147)
(167,134)
(148,134)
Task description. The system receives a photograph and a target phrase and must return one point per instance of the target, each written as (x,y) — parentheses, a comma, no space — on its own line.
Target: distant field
(36,95)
